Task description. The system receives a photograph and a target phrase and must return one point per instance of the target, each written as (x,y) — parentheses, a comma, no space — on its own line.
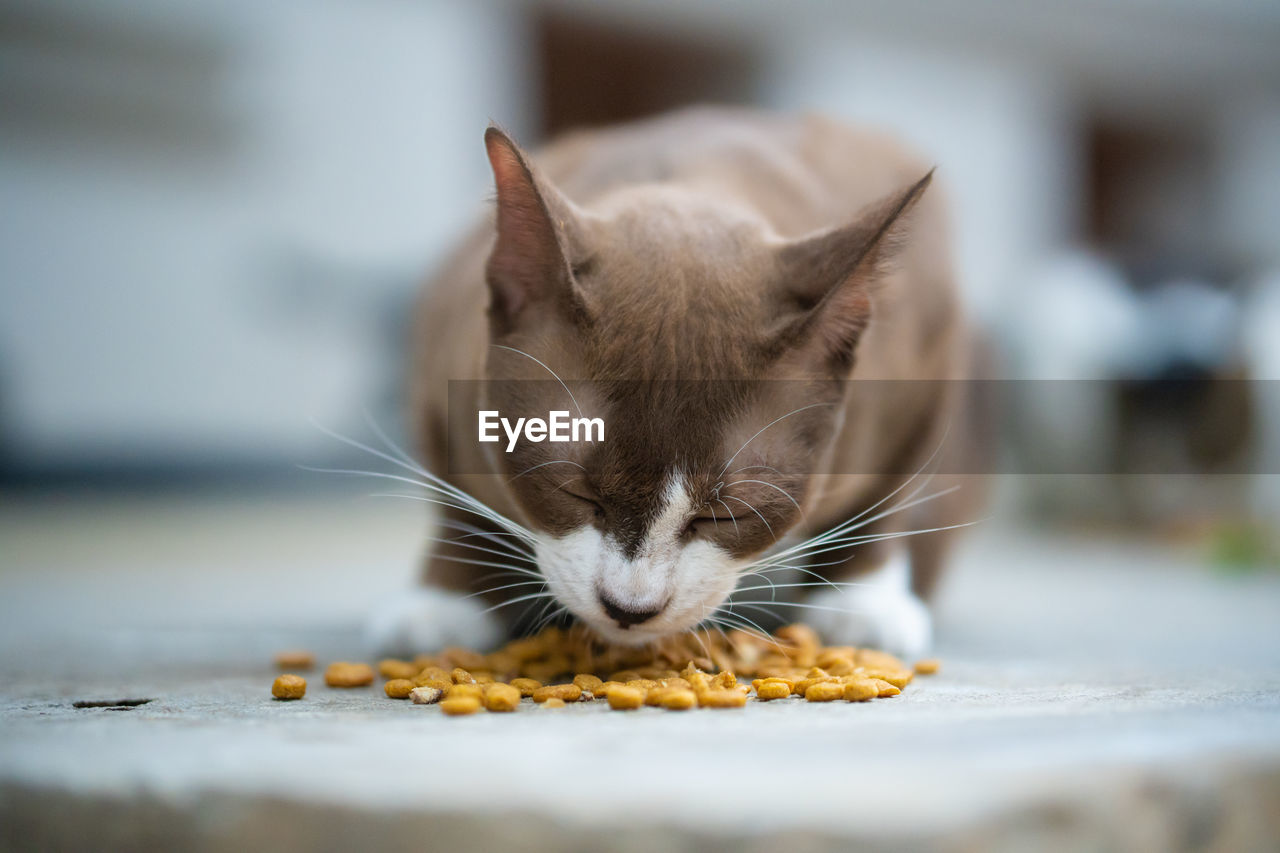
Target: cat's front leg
(446,609)
(876,609)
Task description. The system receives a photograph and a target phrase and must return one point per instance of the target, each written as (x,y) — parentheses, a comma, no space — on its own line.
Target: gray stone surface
(1096,694)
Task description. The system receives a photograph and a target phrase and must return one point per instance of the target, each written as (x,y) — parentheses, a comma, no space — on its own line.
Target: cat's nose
(626,617)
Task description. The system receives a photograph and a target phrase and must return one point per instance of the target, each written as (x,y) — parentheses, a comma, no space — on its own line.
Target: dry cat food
(558,667)
(289,687)
(295,659)
(344,674)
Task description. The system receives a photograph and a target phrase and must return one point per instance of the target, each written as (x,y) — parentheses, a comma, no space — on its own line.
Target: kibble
(886,689)
(344,674)
(475,691)
(289,687)
(677,699)
(860,690)
(564,692)
(824,691)
(770,690)
(697,670)
(393,669)
(295,659)
(623,698)
(398,688)
(502,697)
(722,699)
(457,706)
(526,686)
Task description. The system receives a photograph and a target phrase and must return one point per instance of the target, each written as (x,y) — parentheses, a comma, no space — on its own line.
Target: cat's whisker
(436,483)
(765,605)
(487,563)
(386,440)
(784,492)
(755,629)
(795,585)
(758,515)
(544,367)
(749,467)
(858,520)
(850,541)
(543,465)
(766,426)
(445,540)
(533,596)
(736,531)
(505,586)
(757,575)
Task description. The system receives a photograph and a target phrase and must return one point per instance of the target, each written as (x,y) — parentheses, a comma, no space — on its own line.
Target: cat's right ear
(528,271)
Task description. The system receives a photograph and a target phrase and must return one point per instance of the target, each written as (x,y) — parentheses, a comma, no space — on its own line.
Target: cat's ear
(528,270)
(827,280)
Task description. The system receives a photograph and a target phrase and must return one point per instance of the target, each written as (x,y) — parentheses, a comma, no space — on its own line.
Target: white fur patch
(687,581)
(427,619)
(880,612)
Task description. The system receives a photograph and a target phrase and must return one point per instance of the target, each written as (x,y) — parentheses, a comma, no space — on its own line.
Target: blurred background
(215,216)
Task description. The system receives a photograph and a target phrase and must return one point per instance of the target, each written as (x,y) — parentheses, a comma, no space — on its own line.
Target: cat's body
(703,245)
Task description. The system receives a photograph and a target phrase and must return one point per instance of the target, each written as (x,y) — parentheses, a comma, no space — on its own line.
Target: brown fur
(706,245)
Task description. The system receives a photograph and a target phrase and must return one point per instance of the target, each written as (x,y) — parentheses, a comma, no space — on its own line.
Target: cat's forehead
(679,283)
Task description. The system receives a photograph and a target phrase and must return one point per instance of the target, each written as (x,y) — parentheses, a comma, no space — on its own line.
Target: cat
(758,259)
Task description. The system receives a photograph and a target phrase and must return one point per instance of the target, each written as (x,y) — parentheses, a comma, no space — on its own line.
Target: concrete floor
(1095,695)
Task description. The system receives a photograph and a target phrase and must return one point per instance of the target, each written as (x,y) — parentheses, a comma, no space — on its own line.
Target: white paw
(878,611)
(427,619)
(892,620)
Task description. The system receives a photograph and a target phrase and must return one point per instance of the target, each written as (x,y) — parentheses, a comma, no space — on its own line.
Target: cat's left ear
(529,269)
(826,281)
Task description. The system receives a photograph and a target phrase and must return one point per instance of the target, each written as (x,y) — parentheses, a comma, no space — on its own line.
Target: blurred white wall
(204,290)
(212,213)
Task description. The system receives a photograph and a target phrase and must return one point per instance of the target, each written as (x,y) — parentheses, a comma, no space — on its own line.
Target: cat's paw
(428,619)
(875,616)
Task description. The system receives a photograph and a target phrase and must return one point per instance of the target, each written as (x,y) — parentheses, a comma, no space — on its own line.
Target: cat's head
(711,348)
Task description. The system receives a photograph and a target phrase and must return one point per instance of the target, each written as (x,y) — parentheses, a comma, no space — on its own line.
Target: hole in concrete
(113,704)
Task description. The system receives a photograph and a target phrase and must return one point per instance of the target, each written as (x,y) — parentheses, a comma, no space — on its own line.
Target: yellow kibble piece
(345,674)
(886,689)
(289,687)
(824,691)
(526,686)
(623,698)
(430,674)
(553,702)
(724,681)
(677,699)
(456,706)
(587,682)
(768,690)
(802,686)
(502,697)
(722,699)
(398,688)
(461,676)
(475,691)
(861,689)
(392,669)
(295,659)
(564,692)
(928,666)
(625,675)
(603,690)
